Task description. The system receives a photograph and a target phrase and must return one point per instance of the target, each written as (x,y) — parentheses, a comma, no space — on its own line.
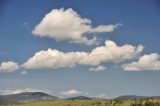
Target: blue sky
(134,22)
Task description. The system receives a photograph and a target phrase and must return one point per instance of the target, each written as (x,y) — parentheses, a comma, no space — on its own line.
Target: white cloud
(98,68)
(54,59)
(111,52)
(95,95)
(8,66)
(17,91)
(71,92)
(23,72)
(105,28)
(146,62)
(68,25)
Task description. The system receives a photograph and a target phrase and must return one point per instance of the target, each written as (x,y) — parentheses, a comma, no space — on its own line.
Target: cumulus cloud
(17,91)
(54,59)
(71,92)
(68,25)
(8,66)
(98,68)
(146,62)
(110,52)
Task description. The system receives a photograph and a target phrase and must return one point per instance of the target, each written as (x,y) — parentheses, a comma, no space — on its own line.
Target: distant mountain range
(131,97)
(40,96)
(80,98)
(27,97)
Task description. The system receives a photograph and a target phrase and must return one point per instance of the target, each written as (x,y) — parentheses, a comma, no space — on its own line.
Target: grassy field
(153,102)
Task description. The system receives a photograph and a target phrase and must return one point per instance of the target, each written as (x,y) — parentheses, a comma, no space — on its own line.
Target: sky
(100,48)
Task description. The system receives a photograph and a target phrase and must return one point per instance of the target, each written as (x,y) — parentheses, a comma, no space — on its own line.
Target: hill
(80,98)
(27,97)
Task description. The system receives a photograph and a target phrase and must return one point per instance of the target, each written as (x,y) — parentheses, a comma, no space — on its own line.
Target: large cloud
(68,25)
(146,62)
(8,66)
(111,52)
(54,59)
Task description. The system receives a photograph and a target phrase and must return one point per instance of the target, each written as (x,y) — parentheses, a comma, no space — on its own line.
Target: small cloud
(71,92)
(86,93)
(9,66)
(23,72)
(24,23)
(146,62)
(98,68)
(95,95)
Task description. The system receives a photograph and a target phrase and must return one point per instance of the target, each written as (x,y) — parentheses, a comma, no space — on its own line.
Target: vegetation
(118,102)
